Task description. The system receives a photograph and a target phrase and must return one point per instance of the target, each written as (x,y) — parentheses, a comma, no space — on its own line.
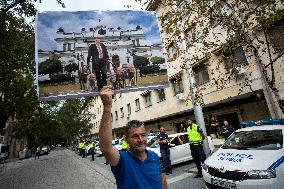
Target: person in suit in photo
(99,54)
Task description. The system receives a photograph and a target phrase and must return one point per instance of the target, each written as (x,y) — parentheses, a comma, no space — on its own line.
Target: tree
(140,61)
(50,66)
(18,96)
(157,60)
(72,67)
(74,117)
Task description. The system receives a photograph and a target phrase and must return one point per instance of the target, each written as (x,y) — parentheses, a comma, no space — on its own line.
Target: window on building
(137,42)
(121,113)
(116,115)
(128,109)
(148,100)
(236,58)
(161,94)
(69,46)
(276,36)
(137,105)
(201,75)
(177,85)
(64,47)
(173,51)
(191,34)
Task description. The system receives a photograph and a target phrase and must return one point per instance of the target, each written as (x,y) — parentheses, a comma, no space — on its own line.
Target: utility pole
(196,105)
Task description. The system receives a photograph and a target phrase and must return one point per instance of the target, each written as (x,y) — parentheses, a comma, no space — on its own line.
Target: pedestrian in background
(82,148)
(37,153)
(136,167)
(226,129)
(163,141)
(195,137)
(92,150)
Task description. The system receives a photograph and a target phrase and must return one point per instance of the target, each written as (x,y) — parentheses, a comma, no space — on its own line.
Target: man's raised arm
(105,133)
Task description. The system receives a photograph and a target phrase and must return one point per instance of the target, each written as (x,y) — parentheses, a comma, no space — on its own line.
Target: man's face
(137,139)
(226,123)
(97,41)
(189,122)
(162,130)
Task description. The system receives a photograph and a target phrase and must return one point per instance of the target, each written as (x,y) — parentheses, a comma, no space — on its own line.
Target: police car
(179,147)
(251,157)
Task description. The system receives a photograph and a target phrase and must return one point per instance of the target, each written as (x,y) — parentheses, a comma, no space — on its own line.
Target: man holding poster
(99,54)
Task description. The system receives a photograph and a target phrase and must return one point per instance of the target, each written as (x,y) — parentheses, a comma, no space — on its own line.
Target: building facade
(235,94)
(73,47)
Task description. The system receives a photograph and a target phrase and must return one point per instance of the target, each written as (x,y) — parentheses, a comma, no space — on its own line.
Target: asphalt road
(64,169)
(61,169)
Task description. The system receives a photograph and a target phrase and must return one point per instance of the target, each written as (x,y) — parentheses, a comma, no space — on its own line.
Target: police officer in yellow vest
(124,144)
(82,148)
(92,150)
(195,137)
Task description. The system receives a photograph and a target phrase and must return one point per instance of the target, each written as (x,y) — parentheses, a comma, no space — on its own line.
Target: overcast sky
(81,15)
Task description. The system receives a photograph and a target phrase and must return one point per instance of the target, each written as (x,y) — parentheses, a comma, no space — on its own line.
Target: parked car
(25,153)
(151,135)
(251,157)
(44,150)
(3,151)
(97,149)
(117,143)
(179,147)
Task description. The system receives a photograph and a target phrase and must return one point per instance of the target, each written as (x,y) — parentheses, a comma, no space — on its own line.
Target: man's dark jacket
(93,52)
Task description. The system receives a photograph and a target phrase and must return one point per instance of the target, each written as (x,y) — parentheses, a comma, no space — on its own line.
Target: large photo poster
(80,52)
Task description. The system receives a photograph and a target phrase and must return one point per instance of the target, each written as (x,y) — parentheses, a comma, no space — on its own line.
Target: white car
(44,150)
(251,157)
(179,147)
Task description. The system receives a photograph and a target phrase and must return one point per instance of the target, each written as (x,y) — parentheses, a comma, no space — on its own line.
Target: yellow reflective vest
(81,144)
(92,145)
(194,136)
(124,145)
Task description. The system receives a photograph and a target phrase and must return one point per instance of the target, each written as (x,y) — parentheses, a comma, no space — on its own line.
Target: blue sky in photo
(49,22)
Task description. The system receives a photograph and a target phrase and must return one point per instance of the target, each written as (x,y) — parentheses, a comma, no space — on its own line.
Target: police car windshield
(154,144)
(256,140)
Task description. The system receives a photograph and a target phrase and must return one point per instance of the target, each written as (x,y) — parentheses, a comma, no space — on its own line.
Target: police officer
(124,144)
(92,150)
(195,137)
(82,147)
(163,141)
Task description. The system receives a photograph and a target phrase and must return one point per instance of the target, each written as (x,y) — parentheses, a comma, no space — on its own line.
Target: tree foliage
(50,66)
(74,117)
(140,61)
(18,97)
(157,60)
(71,67)
(38,123)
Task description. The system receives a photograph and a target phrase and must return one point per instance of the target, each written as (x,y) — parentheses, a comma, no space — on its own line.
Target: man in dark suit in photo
(98,53)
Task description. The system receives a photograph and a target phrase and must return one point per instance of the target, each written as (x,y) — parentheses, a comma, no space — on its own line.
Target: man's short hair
(132,124)
(115,57)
